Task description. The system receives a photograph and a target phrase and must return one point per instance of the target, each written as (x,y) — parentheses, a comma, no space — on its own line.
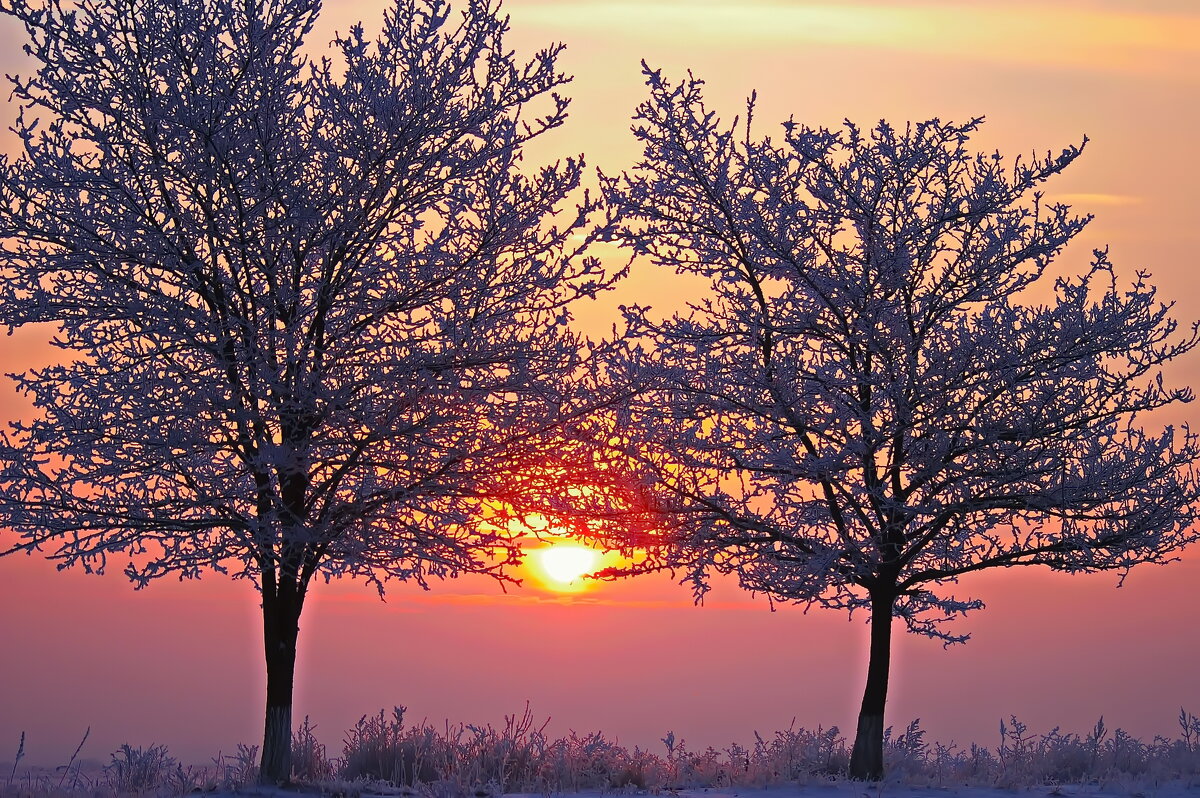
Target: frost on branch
(312,312)
(886,386)
(305,306)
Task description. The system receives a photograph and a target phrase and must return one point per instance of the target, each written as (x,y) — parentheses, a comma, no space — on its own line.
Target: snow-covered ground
(838,789)
(829,789)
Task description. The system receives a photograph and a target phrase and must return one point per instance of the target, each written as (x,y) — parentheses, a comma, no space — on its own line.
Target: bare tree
(312,311)
(884,388)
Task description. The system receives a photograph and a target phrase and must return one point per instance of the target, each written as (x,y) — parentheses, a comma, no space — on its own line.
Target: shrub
(139,770)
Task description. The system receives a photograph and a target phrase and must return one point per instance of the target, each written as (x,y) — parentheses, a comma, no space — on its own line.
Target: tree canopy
(311,311)
(890,383)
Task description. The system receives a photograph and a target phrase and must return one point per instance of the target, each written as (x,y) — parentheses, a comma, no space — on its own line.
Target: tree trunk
(281,616)
(866,761)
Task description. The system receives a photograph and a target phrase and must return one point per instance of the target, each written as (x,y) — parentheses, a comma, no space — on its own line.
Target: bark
(276,765)
(866,761)
(281,616)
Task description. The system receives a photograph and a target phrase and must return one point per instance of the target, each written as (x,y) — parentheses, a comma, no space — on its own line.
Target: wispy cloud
(537,599)
(1084,201)
(1007,32)
(417,602)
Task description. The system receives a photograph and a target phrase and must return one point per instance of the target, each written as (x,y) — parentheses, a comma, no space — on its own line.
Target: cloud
(1084,201)
(537,599)
(522,599)
(1021,33)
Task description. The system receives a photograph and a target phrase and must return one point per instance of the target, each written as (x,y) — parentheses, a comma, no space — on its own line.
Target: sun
(563,565)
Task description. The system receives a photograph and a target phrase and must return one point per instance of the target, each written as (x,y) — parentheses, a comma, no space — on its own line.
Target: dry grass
(383,754)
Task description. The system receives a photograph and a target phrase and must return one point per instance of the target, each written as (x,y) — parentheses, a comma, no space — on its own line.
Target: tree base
(866,761)
(276,766)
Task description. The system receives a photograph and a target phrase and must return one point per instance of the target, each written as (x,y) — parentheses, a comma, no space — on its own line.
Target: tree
(884,388)
(313,311)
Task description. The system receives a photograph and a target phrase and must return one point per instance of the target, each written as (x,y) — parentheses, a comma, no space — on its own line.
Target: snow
(837,789)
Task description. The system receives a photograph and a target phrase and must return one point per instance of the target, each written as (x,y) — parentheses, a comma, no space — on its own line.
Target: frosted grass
(384,755)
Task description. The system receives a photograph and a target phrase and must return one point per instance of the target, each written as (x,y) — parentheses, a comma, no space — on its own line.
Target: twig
(77,750)
(20,755)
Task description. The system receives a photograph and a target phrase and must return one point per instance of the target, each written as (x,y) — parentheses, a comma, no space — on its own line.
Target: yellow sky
(1125,74)
(1045,34)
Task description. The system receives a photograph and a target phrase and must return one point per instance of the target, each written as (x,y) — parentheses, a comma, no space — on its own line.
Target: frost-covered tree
(884,387)
(311,311)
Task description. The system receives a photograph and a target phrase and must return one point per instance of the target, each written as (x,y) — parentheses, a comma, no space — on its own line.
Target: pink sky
(180,664)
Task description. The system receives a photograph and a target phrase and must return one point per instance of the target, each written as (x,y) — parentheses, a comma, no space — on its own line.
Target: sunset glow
(474,633)
(563,566)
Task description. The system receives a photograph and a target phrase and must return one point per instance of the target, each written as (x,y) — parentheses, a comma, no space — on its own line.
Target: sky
(180,663)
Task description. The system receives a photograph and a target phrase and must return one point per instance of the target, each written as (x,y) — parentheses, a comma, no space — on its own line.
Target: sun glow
(562,566)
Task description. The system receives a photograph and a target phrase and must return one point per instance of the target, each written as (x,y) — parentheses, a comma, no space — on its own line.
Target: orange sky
(179,663)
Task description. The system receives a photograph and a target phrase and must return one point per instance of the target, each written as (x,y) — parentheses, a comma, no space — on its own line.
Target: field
(384,755)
